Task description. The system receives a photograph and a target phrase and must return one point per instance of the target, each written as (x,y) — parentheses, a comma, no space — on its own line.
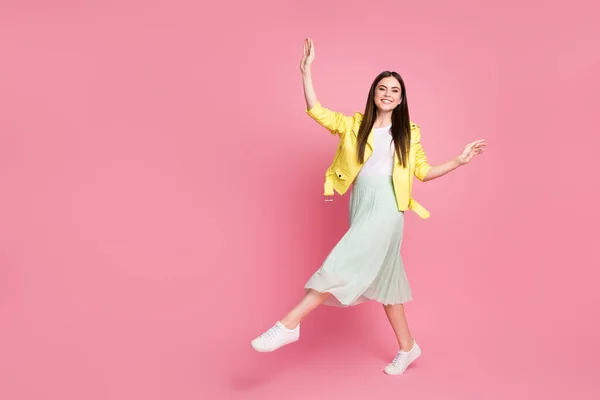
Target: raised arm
(335,122)
(309,91)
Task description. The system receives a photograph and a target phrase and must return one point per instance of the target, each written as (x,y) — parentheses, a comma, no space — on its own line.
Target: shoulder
(357,119)
(415,132)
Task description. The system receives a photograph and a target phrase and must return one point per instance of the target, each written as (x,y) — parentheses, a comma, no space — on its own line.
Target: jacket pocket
(340,173)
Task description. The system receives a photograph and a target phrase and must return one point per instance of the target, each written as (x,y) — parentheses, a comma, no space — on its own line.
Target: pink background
(161,198)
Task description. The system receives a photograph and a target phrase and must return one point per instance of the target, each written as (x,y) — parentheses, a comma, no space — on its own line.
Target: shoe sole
(270,350)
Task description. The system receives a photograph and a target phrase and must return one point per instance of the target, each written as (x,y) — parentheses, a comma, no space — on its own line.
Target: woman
(378,154)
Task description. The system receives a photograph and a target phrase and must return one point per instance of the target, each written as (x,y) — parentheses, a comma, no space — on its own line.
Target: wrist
(305,71)
(459,162)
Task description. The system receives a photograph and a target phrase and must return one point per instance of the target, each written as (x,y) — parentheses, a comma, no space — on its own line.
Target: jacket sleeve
(422,166)
(335,122)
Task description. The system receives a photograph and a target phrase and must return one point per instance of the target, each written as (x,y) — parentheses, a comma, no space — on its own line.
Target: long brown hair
(400,121)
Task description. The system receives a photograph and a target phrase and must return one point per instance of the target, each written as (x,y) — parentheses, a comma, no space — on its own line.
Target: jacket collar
(415,134)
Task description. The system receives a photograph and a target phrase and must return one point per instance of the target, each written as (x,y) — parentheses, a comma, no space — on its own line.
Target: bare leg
(309,302)
(397,318)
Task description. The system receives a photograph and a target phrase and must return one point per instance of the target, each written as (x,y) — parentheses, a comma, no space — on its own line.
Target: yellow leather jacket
(345,167)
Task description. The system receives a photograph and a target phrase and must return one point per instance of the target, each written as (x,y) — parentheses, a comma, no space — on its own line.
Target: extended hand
(471,150)
(309,54)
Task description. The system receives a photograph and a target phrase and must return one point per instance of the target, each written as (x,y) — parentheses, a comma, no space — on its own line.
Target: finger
(477,142)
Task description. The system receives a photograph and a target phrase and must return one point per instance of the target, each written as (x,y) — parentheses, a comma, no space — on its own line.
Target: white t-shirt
(381,162)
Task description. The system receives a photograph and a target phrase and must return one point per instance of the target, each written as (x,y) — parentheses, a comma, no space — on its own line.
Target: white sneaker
(276,337)
(402,360)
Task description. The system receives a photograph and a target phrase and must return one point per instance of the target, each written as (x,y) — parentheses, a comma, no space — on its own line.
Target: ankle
(289,324)
(407,345)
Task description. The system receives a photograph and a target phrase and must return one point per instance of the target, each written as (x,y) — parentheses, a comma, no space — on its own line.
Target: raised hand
(471,150)
(309,54)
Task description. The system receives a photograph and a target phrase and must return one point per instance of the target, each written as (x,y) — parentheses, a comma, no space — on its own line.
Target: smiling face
(387,94)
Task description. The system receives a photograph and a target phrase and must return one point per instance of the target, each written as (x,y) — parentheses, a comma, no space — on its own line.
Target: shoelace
(270,334)
(397,359)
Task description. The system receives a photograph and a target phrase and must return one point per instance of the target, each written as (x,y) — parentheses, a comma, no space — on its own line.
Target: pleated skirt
(366,263)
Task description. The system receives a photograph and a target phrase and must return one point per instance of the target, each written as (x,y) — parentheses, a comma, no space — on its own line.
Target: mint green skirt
(366,263)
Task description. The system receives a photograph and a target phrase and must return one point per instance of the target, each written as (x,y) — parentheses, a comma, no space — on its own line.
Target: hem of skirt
(387,304)
(359,300)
